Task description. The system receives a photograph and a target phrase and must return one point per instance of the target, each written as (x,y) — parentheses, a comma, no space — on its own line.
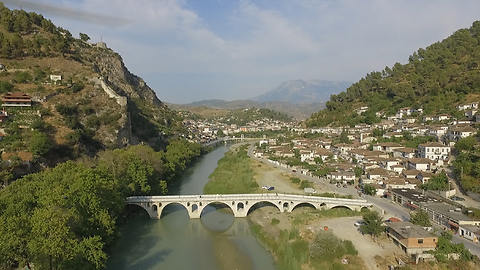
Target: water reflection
(215,241)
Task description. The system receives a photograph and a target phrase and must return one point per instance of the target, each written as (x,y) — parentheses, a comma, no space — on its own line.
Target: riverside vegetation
(296,246)
(69,160)
(291,248)
(66,217)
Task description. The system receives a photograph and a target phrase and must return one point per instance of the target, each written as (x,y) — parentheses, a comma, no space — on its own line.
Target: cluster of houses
(396,171)
(205,131)
(388,165)
(414,239)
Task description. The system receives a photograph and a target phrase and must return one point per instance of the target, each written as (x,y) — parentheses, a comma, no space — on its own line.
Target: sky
(192,50)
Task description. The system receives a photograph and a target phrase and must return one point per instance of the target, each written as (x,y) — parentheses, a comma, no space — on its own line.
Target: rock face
(110,66)
(118,83)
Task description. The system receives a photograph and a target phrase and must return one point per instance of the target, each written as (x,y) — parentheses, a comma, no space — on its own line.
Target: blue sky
(191,50)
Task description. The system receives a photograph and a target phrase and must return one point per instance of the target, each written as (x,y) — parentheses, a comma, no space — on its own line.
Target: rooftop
(409,230)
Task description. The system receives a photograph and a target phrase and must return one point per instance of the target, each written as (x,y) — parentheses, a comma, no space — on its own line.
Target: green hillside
(73,116)
(436,79)
(90,134)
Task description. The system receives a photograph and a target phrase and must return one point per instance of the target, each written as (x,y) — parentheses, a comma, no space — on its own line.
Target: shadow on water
(217,217)
(139,254)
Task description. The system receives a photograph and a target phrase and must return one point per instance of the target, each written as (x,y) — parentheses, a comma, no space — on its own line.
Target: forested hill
(436,79)
(85,100)
(77,148)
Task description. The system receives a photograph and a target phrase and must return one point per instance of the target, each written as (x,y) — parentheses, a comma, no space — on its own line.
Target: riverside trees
(62,218)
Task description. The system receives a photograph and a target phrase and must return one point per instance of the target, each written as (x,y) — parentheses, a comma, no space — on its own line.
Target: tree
(369,190)
(437,182)
(326,246)
(84,37)
(39,144)
(466,144)
(344,137)
(373,223)
(358,172)
(421,218)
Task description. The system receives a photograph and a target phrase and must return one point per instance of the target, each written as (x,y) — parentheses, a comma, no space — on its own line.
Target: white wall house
(421,164)
(457,133)
(433,151)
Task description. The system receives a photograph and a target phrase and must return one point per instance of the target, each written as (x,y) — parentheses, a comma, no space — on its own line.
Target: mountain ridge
(303,91)
(285,98)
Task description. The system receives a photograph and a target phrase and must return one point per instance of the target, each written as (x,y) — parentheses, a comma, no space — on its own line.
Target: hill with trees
(84,98)
(92,134)
(435,79)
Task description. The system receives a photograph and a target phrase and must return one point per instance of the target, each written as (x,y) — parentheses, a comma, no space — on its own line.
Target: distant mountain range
(303,91)
(312,94)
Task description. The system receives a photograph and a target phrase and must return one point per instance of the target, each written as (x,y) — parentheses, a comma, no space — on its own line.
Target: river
(216,241)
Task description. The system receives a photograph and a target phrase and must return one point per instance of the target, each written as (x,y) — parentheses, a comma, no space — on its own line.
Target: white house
(456,133)
(405,152)
(421,164)
(433,151)
(471,106)
(388,163)
(55,78)
(388,147)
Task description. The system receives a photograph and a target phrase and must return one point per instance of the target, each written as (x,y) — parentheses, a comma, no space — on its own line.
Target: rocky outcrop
(110,66)
(126,88)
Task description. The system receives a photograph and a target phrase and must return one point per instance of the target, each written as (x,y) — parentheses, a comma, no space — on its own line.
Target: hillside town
(396,172)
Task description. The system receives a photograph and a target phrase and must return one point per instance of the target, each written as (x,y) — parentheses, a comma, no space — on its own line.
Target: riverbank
(268,223)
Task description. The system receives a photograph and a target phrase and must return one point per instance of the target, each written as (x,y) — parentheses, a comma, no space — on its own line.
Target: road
(390,208)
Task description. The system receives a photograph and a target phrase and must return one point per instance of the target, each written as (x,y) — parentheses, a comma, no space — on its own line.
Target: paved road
(391,209)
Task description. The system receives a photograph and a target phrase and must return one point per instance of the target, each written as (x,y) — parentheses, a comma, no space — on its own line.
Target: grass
(233,174)
(292,250)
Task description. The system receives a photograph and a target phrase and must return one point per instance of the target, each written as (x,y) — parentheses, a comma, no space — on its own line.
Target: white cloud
(269,42)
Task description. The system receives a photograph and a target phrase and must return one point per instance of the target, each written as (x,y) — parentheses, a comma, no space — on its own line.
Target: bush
(295,180)
(275,221)
(326,246)
(306,184)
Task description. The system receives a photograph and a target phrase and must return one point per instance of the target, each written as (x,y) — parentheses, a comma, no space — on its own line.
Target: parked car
(359,223)
(456,198)
(271,188)
(345,185)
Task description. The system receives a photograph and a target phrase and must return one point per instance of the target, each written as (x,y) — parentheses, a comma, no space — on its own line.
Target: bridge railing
(256,197)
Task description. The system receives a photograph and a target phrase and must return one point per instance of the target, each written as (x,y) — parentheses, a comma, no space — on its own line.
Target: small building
(421,164)
(3,116)
(405,152)
(460,132)
(16,100)
(470,232)
(388,147)
(433,151)
(413,239)
(55,78)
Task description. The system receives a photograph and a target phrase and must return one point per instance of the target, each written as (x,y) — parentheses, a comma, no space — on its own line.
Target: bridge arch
(139,206)
(211,203)
(302,204)
(258,205)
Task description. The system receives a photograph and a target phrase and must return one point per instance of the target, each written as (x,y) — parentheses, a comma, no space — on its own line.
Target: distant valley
(285,98)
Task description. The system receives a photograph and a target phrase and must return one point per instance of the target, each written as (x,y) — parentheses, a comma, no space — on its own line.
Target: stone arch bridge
(241,204)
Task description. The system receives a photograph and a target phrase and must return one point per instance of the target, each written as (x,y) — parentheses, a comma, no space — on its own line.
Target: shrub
(275,221)
(295,180)
(326,246)
(306,184)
